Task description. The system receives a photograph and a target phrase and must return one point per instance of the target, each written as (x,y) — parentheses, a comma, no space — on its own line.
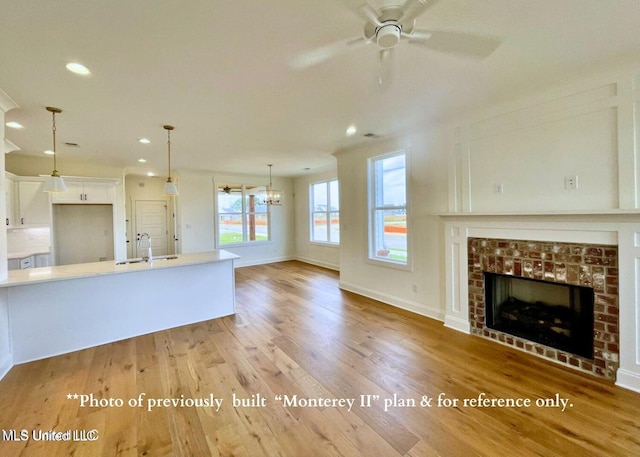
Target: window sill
(325,244)
(390,264)
(243,244)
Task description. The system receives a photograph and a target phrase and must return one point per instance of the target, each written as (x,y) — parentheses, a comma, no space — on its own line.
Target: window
(243,216)
(325,212)
(388,208)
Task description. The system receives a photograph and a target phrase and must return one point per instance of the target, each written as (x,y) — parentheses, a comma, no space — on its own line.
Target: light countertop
(109,267)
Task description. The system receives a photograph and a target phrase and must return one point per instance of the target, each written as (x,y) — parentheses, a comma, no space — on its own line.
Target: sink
(140,260)
(165,257)
(128,261)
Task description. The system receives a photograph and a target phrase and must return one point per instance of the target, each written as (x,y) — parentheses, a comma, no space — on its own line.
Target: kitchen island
(60,309)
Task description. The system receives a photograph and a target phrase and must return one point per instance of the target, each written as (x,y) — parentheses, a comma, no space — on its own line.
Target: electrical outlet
(571,182)
(498,188)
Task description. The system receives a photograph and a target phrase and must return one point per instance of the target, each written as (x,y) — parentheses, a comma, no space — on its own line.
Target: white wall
(583,128)
(316,253)
(196,218)
(421,289)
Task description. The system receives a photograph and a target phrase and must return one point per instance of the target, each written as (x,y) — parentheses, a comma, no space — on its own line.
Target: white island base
(48,317)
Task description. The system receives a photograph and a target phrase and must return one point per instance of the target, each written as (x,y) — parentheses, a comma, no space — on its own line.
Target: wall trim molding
(414,307)
(250,263)
(5,365)
(318,263)
(628,380)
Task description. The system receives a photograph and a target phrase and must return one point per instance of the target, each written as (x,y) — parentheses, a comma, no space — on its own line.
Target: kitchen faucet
(149,256)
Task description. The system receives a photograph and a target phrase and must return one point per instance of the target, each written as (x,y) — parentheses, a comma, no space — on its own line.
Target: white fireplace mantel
(617,228)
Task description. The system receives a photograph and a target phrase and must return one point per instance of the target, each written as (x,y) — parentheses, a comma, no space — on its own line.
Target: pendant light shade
(170,188)
(54,183)
(273,197)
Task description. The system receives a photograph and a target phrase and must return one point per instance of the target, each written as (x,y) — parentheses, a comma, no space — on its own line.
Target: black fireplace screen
(552,314)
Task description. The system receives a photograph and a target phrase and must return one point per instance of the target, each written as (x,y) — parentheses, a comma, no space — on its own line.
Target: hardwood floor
(297,337)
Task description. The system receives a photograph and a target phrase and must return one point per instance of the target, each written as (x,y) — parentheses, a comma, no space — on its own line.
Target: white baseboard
(319,263)
(457,324)
(5,365)
(249,263)
(414,307)
(628,380)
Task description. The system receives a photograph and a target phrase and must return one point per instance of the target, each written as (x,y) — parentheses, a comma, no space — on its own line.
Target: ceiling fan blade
(324,53)
(370,14)
(462,44)
(414,8)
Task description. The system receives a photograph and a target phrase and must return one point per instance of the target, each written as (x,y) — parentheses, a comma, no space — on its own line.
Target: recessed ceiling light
(78,68)
(14,125)
(49,152)
(351,130)
(142,160)
(144,141)
(150,174)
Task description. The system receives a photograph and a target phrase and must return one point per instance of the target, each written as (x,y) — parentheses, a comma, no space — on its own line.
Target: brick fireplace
(590,265)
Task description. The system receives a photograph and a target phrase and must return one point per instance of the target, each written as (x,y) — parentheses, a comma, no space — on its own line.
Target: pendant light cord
(53,129)
(169,153)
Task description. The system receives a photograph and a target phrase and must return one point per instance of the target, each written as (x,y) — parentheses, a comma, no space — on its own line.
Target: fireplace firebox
(556,315)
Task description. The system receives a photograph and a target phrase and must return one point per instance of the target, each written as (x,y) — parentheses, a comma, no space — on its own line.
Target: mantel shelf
(587,212)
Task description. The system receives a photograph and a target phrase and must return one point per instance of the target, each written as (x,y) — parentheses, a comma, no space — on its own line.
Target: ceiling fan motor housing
(388,35)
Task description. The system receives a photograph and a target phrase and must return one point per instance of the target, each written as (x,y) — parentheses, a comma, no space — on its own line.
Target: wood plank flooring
(297,335)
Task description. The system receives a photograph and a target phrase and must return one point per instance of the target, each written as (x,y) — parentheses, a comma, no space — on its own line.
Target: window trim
(244,214)
(328,212)
(371,210)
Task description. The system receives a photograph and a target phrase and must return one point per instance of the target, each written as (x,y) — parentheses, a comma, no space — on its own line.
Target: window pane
(257,227)
(334,195)
(390,235)
(229,199)
(254,200)
(230,228)
(320,197)
(334,231)
(319,227)
(242,214)
(390,180)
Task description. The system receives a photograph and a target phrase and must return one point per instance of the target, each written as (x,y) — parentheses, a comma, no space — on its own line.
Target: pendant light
(54,183)
(274,197)
(169,187)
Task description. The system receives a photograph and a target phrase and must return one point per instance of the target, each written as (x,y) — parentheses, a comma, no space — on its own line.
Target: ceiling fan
(390,24)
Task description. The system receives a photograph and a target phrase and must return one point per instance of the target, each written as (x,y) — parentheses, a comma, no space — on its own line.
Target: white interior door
(151,218)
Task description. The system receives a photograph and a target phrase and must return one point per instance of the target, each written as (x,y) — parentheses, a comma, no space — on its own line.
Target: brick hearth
(567,263)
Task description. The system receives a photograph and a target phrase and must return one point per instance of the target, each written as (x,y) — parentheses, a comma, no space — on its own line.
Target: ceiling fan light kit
(388,35)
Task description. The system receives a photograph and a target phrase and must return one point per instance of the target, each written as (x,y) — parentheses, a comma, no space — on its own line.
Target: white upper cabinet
(86,192)
(9,196)
(33,204)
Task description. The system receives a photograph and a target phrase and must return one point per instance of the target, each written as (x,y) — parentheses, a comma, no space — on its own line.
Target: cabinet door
(73,194)
(97,192)
(8,194)
(33,204)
